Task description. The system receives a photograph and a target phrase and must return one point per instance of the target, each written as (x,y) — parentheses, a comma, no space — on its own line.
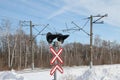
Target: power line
(40,31)
(85,23)
(79,28)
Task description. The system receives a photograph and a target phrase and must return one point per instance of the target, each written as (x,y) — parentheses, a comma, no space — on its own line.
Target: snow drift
(10,75)
(100,74)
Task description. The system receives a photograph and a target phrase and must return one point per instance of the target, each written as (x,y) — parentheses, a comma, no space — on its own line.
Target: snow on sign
(58,58)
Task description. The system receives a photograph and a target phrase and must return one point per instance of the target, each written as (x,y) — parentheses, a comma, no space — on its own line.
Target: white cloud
(88,7)
(61,11)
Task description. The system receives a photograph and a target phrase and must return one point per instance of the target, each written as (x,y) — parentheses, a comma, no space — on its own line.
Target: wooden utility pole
(89,34)
(31,43)
(41,47)
(19,67)
(91,37)
(32,38)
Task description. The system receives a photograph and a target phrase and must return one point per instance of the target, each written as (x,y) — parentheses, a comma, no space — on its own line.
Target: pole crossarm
(100,17)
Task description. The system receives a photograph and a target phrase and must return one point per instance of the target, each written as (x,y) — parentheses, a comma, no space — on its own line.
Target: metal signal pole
(55,45)
(55,74)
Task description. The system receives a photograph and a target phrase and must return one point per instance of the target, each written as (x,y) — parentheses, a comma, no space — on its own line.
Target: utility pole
(91,37)
(31,43)
(32,38)
(20,46)
(89,34)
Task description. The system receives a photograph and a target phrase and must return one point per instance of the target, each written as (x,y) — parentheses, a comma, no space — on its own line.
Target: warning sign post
(56,51)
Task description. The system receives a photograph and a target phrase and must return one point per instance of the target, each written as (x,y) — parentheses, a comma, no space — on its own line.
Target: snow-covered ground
(105,72)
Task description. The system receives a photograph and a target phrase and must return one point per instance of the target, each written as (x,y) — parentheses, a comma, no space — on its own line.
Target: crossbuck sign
(53,60)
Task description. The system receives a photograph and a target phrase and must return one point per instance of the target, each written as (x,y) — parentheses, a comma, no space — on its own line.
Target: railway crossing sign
(57,55)
(54,59)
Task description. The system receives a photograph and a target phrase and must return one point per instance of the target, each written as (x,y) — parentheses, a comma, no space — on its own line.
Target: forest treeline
(15,51)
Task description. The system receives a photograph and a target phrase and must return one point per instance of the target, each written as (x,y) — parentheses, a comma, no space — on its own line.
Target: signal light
(61,38)
(50,37)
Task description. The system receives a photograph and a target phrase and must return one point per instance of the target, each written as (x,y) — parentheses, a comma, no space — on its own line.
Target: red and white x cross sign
(57,55)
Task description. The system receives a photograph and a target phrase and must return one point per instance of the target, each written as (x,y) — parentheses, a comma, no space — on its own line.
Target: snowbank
(88,75)
(10,75)
(100,74)
(103,72)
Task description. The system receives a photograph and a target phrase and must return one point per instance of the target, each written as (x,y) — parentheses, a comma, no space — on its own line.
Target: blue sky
(58,12)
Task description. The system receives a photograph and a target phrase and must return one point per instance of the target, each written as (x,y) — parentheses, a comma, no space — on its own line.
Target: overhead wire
(40,31)
(85,23)
(79,28)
